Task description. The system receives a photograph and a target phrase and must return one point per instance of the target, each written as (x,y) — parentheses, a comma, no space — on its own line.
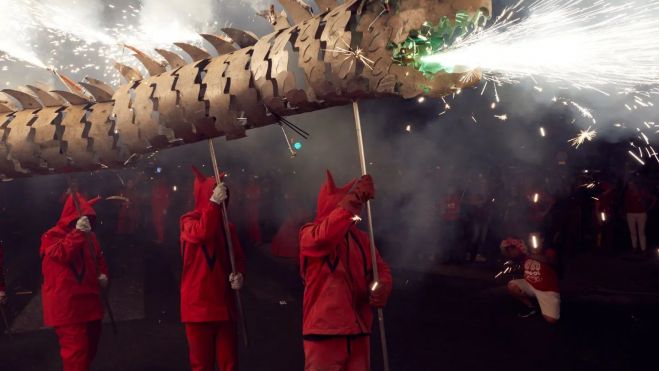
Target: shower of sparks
(44,33)
(587,44)
(542,132)
(584,135)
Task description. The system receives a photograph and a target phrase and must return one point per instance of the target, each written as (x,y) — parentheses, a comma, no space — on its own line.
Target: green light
(297,146)
(433,39)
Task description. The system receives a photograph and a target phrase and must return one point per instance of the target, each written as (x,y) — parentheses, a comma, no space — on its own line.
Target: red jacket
(335,263)
(70,290)
(206,294)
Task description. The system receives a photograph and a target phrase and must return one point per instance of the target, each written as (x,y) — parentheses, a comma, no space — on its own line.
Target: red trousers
(341,353)
(78,344)
(211,342)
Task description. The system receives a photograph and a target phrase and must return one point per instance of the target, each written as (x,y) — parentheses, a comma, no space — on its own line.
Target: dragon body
(310,62)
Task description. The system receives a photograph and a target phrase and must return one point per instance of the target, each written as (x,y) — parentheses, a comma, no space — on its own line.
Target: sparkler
(584,135)
(353,55)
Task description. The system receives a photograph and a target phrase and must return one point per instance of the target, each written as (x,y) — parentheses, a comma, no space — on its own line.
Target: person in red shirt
(73,277)
(637,203)
(208,309)
(540,280)
(3,287)
(339,292)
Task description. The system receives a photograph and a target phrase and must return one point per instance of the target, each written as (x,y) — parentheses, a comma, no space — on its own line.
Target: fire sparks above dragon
(354,50)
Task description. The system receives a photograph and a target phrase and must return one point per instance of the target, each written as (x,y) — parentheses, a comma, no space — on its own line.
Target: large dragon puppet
(354,49)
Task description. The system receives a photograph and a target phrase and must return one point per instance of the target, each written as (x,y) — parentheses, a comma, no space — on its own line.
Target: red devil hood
(70,214)
(330,196)
(203,188)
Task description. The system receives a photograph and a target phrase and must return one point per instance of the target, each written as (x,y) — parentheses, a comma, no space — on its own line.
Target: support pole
(376,274)
(229,244)
(92,252)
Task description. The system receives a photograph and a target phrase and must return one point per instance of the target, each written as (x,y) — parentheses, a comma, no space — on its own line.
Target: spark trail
(597,45)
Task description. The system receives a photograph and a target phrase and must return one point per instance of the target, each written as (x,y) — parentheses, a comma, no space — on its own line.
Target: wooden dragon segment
(306,67)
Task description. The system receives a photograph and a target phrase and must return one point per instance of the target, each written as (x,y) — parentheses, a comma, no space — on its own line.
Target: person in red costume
(208,309)
(72,282)
(3,287)
(339,293)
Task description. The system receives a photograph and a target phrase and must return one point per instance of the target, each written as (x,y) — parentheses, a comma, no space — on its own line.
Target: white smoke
(169,21)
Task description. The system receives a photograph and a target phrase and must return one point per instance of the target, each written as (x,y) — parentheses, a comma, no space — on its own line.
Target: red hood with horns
(71,214)
(330,195)
(203,188)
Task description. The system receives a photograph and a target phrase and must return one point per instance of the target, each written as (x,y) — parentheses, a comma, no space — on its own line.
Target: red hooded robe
(335,263)
(206,294)
(70,290)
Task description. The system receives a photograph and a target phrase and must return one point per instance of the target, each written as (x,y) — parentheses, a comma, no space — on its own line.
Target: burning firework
(584,135)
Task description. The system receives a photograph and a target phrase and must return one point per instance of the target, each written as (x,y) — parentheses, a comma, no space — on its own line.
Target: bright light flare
(587,44)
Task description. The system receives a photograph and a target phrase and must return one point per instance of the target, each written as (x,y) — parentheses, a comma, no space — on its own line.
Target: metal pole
(92,252)
(376,274)
(229,244)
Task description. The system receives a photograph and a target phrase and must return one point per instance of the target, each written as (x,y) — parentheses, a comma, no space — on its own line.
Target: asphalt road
(464,321)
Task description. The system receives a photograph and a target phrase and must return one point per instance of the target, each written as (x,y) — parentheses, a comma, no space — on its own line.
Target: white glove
(103,280)
(219,194)
(236,280)
(3,297)
(83,224)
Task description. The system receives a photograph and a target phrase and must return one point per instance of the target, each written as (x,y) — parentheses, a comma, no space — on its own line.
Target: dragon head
(387,40)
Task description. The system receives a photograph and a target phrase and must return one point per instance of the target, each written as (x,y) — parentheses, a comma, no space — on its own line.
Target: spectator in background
(160,195)
(478,211)
(450,209)
(540,280)
(638,202)
(129,211)
(252,211)
(3,293)
(604,214)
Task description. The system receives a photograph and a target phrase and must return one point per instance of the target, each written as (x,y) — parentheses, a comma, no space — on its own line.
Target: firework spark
(587,44)
(584,135)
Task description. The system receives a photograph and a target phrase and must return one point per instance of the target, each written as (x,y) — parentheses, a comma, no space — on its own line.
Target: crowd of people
(334,256)
(597,211)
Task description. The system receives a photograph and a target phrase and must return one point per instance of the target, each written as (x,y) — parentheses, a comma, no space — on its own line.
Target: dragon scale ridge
(301,68)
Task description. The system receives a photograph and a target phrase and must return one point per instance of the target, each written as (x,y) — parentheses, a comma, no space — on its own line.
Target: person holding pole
(340,288)
(208,305)
(73,278)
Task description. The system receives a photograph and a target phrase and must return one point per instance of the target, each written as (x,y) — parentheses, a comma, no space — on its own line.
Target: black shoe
(529,312)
